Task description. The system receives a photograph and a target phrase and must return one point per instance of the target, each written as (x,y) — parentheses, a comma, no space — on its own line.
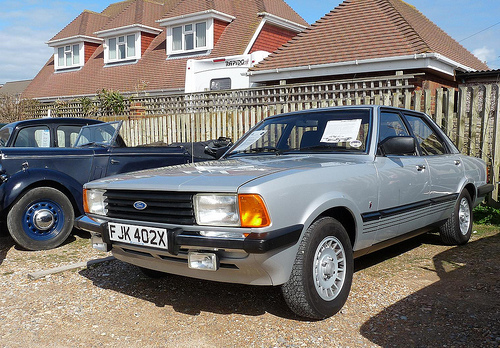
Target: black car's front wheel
(42,218)
(322,273)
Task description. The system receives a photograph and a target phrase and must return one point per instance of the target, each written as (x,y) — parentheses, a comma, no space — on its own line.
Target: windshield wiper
(260,149)
(324,147)
(92,143)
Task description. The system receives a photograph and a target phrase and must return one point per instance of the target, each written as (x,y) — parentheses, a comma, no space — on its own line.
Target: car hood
(220,175)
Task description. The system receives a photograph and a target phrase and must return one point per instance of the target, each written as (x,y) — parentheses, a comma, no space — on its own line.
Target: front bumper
(255,243)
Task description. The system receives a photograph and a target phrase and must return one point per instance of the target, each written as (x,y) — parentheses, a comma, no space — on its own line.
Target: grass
(485,214)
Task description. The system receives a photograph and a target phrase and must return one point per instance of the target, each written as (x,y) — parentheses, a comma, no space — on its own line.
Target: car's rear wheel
(42,218)
(322,272)
(458,228)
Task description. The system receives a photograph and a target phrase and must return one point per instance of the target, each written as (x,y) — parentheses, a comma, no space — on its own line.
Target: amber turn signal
(85,204)
(253,211)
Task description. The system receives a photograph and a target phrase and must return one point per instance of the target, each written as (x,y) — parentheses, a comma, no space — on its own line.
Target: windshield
(315,131)
(101,134)
(4,135)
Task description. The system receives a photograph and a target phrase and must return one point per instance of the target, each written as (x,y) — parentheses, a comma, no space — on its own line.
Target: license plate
(139,235)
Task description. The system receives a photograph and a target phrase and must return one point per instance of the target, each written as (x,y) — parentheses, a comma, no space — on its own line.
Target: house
(14,88)
(368,38)
(473,78)
(142,46)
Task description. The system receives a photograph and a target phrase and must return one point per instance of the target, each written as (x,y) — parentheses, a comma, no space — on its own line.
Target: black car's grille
(164,207)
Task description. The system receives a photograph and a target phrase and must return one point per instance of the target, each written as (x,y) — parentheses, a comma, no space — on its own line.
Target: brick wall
(89,50)
(146,39)
(271,38)
(219,27)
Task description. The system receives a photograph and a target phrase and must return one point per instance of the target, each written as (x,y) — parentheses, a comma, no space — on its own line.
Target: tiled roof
(154,71)
(14,88)
(87,23)
(137,12)
(368,29)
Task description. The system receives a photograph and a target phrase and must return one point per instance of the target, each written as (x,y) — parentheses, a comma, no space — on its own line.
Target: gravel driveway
(416,294)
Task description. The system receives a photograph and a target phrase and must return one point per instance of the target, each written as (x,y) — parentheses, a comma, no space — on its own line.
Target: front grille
(163,207)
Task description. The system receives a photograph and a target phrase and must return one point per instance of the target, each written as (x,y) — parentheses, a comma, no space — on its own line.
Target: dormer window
(193,33)
(123,45)
(189,37)
(70,53)
(68,56)
(122,48)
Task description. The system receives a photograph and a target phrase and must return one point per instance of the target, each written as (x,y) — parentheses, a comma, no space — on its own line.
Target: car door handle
(113,161)
(421,167)
(457,162)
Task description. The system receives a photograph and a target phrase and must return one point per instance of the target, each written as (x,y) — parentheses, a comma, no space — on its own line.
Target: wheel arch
(345,216)
(472,191)
(19,184)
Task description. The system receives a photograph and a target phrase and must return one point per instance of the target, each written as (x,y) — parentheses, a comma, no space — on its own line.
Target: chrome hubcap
(43,219)
(464,218)
(329,268)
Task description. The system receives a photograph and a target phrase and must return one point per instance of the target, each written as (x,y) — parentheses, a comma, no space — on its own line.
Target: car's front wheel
(42,218)
(322,272)
(458,228)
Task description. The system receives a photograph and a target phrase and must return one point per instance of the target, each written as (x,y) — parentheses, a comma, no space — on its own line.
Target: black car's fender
(22,181)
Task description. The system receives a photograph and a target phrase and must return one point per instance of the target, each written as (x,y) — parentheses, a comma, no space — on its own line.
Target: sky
(26,26)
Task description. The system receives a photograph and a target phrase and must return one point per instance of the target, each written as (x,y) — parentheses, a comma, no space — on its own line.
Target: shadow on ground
(193,296)
(6,243)
(187,295)
(462,309)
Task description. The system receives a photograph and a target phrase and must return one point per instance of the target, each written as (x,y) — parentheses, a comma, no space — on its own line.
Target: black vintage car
(44,164)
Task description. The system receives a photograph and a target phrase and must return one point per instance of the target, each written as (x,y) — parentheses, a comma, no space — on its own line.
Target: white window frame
(70,52)
(115,41)
(112,36)
(192,31)
(79,40)
(192,19)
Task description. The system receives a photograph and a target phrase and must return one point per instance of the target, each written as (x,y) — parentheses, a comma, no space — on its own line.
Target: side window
(391,125)
(33,137)
(66,135)
(430,142)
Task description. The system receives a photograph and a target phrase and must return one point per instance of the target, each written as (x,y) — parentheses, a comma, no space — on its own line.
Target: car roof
(54,120)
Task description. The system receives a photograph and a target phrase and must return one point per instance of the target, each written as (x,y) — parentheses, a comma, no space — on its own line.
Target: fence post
(428,102)
(473,124)
(461,117)
(496,145)
(418,101)
(439,107)
(485,115)
(449,110)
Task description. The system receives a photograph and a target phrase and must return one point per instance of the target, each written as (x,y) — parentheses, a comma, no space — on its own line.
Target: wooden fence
(469,115)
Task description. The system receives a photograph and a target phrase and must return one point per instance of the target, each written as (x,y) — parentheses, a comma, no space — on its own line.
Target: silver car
(292,203)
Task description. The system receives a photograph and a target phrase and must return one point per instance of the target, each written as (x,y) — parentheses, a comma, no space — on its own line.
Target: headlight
(93,202)
(245,210)
(216,210)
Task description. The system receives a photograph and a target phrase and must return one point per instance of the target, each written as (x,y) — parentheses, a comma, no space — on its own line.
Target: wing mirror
(397,146)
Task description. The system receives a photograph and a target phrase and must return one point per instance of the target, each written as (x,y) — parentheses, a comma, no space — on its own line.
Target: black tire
(308,295)
(40,219)
(152,273)
(458,228)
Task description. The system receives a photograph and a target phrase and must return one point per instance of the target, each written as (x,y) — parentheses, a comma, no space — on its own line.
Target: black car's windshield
(315,131)
(4,135)
(101,134)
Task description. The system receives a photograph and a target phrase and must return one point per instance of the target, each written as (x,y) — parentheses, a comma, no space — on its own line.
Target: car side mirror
(221,151)
(398,145)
